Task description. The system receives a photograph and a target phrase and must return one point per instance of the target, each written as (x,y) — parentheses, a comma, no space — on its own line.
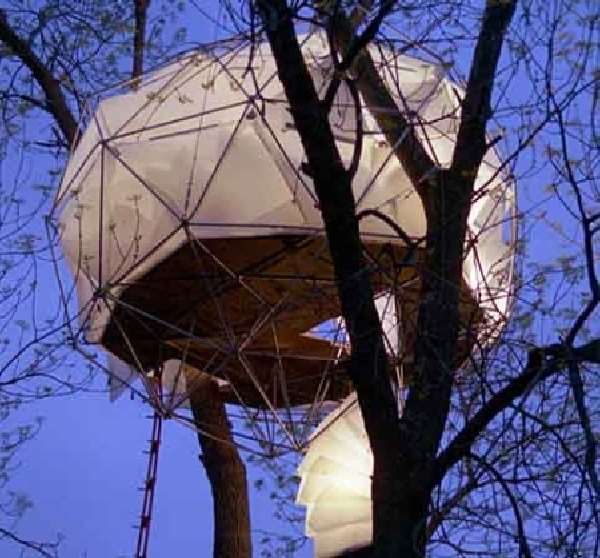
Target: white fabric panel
(354,535)
(334,513)
(173,383)
(386,307)
(121,376)
(80,161)
(388,315)
(252,199)
(349,483)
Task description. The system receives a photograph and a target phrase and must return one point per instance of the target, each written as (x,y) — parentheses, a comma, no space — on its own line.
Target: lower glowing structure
(336,482)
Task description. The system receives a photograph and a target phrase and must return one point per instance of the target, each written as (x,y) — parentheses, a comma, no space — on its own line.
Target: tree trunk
(404,449)
(403,501)
(368,362)
(225,470)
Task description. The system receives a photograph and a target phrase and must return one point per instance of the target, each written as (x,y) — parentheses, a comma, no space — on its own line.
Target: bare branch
(139,37)
(524,550)
(56,103)
(399,132)
(439,515)
(584,419)
(40,548)
(471,141)
(540,365)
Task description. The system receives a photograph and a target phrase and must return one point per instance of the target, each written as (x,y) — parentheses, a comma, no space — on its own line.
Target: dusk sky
(83,472)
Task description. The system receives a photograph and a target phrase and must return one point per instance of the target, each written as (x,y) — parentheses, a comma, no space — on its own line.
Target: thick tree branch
(398,130)
(333,187)
(56,103)
(139,37)
(541,364)
(447,203)
(471,142)
(356,45)
(368,365)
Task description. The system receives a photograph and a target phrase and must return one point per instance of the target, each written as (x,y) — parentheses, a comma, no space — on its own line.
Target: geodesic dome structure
(197,244)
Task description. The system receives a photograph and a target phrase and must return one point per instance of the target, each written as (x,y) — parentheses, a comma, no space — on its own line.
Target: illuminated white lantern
(335,482)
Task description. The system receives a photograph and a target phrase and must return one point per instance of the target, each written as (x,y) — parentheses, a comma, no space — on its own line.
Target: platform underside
(242,309)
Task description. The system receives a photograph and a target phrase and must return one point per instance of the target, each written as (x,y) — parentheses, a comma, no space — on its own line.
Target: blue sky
(83,472)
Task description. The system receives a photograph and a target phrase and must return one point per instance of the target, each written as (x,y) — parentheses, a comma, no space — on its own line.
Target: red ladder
(149,484)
